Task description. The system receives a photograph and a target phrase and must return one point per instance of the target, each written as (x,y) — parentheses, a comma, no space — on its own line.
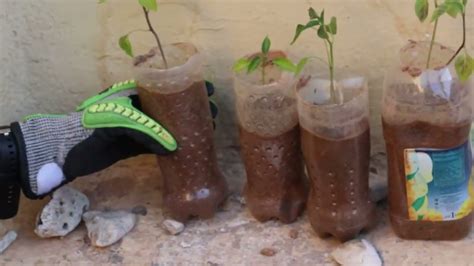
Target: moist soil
(420,135)
(193,186)
(339,203)
(275,187)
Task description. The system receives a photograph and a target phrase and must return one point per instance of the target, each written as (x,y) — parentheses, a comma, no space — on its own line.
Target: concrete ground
(233,237)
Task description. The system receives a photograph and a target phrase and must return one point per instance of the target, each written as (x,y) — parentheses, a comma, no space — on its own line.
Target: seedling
(262,59)
(464,63)
(124,41)
(327,33)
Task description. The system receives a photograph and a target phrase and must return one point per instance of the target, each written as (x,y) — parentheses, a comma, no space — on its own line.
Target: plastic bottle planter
(270,146)
(177,97)
(426,120)
(336,148)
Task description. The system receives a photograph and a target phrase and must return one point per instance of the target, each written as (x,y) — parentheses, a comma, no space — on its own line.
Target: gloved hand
(46,151)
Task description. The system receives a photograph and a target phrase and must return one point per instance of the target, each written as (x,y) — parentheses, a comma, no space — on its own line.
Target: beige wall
(53,53)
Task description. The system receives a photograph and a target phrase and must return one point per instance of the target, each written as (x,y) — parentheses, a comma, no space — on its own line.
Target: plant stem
(152,30)
(433,37)
(330,53)
(463,44)
(432,44)
(264,62)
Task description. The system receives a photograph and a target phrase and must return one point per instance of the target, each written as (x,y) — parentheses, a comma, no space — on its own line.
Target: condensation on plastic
(435,95)
(185,68)
(267,110)
(334,121)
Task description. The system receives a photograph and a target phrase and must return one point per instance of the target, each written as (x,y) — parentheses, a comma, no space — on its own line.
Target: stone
(173,227)
(7,240)
(62,214)
(357,252)
(268,252)
(378,177)
(293,233)
(106,228)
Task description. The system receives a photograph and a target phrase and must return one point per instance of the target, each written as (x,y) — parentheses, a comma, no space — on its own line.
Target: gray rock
(356,253)
(106,228)
(7,240)
(173,227)
(62,214)
(378,177)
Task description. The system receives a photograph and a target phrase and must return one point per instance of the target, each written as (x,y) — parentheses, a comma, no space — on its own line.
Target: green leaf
(420,217)
(464,66)
(453,8)
(321,18)
(312,13)
(299,29)
(333,26)
(422,9)
(301,64)
(254,64)
(464,2)
(322,33)
(102,1)
(284,64)
(411,176)
(126,46)
(439,11)
(266,45)
(241,64)
(418,203)
(149,4)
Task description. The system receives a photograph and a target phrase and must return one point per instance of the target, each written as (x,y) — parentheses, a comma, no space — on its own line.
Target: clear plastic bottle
(336,145)
(270,144)
(177,98)
(427,116)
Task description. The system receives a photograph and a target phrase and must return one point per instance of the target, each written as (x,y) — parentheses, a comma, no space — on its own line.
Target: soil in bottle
(193,186)
(339,203)
(275,187)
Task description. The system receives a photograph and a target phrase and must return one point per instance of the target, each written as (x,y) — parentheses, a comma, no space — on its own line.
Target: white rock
(62,214)
(378,177)
(185,244)
(173,227)
(7,240)
(106,228)
(357,253)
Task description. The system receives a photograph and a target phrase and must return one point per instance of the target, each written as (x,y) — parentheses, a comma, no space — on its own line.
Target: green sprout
(124,41)
(327,33)
(464,63)
(262,59)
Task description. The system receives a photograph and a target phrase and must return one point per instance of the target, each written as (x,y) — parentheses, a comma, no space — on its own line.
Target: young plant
(326,32)
(124,41)
(262,59)
(464,62)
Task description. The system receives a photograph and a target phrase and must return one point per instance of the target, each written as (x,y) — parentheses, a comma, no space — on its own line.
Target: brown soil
(420,135)
(339,203)
(275,187)
(192,182)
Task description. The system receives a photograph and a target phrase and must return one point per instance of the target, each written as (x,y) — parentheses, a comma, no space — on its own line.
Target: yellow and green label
(439,183)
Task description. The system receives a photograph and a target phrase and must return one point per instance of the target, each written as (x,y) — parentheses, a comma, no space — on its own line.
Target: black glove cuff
(9,177)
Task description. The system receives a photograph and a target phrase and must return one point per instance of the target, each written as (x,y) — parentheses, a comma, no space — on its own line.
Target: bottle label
(439,183)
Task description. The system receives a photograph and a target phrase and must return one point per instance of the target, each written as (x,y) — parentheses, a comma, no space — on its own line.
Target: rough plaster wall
(56,52)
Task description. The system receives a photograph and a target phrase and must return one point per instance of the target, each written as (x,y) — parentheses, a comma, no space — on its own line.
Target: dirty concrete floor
(233,237)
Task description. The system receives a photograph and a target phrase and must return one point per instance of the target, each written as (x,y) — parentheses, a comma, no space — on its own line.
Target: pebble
(294,233)
(62,214)
(173,227)
(357,253)
(106,228)
(269,252)
(185,244)
(7,240)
